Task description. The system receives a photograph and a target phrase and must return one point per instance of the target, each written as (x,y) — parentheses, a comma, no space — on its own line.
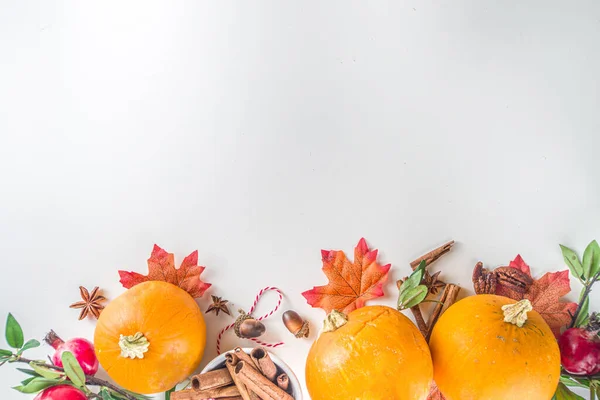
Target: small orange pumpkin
(491,347)
(151,337)
(376,353)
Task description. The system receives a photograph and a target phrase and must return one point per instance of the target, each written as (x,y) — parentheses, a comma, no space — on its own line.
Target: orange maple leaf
(545,294)
(161,267)
(350,284)
(434,393)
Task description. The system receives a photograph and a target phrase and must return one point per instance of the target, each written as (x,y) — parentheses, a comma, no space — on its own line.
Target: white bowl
(219,362)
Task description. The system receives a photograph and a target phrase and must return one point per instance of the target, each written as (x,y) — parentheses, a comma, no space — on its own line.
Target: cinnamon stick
(259,384)
(243,356)
(212,379)
(416,311)
(231,360)
(190,394)
(283,381)
(228,393)
(447,298)
(264,363)
(433,255)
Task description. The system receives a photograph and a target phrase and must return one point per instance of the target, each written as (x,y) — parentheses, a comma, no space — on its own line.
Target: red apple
(61,392)
(580,351)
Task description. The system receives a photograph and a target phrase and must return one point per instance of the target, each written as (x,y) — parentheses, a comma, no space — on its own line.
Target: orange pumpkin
(491,347)
(376,354)
(151,337)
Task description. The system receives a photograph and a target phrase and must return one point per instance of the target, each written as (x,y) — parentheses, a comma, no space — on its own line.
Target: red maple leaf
(161,267)
(350,284)
(434,393)
(545,294)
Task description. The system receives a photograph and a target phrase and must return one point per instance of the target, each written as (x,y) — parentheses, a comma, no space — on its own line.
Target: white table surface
(261,132)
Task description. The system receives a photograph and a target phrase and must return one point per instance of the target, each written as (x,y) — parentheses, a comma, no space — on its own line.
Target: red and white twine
(258,296)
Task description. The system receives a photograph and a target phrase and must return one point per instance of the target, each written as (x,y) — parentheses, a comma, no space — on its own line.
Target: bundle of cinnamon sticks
(446,299)
(245,376)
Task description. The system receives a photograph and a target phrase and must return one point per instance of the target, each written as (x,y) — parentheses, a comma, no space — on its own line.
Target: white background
(261,132)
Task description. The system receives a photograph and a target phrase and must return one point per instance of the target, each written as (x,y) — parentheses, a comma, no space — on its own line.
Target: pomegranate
(61,392)
(580,351)
(82,349)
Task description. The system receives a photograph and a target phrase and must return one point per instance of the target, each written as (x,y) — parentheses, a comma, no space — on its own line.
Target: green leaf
(31,344)
(107,395)
(591,260)
(401,298)
(412,297)
(36,385)
(5,353)
(136,395)
(45,371)
(168,393)
(28,371)
(586,320)
(415,278)
(575,382)
(14,333)
(583,315)
(572,261)
(73,369)
(564,393)
(26,381)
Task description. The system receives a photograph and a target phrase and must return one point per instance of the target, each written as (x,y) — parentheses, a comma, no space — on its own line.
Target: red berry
(61,392)
(82,349)
(580,351)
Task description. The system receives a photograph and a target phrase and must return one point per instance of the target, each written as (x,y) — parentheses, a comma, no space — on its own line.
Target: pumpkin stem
(334,320)
(517,313)
(133,346)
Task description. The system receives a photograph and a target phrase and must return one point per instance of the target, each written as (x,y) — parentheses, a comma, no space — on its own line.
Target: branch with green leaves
(43,375)
(587,271)
(420,285)
(566,381)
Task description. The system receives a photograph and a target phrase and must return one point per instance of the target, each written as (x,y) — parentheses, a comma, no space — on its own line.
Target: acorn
(295,324)
(246,327)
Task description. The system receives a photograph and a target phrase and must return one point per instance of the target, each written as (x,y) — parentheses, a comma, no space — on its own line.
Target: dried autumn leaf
(520,264)
(434,393)
(350,283)
(161,267)
(545,294)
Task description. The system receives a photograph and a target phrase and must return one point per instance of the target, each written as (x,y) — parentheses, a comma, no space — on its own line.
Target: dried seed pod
(295,324)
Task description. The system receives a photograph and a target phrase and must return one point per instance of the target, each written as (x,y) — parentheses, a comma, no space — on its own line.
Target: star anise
(90,304)
(433,282)
(218,305)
